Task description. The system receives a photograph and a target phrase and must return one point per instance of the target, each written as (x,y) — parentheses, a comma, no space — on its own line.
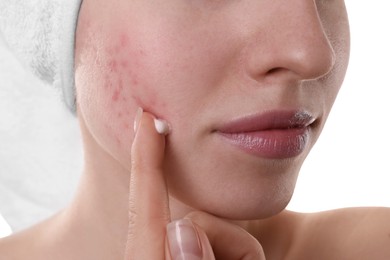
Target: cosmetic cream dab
(162,126)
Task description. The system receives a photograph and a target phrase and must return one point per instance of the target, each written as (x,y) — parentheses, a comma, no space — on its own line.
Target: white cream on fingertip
(162,126)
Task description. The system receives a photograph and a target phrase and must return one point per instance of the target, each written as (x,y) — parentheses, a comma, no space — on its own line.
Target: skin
(193,67)
(193,63)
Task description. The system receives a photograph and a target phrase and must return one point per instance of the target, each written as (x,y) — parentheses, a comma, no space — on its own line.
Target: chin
(246,210)
(243,198)
(251,208)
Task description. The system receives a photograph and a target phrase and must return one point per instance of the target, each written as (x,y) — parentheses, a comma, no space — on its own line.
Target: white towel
(41,33)
(5,229)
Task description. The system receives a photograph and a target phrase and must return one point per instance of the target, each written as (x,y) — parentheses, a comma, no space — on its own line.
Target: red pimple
(118,141)
(113,65)
(116,95)
(134,78)
(124,63)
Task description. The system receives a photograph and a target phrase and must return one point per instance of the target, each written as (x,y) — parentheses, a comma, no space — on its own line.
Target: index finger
(148,199)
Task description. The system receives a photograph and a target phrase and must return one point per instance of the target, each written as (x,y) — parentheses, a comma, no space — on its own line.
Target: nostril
(281,73)
(275,71)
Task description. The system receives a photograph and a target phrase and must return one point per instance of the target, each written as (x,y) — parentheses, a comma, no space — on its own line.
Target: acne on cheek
(125,87)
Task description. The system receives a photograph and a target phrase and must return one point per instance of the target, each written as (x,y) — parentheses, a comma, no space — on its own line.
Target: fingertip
(149,141)
(183,240)
(186,240)
(161,126)
(207,250)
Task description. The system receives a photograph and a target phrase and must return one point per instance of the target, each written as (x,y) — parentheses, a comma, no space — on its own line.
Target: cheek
(124,77)
(115,83)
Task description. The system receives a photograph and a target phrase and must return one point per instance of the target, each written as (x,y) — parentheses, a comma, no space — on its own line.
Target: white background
(350,164)
(40,150)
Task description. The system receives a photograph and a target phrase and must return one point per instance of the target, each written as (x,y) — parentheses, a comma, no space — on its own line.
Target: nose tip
(294,45)
(306,58)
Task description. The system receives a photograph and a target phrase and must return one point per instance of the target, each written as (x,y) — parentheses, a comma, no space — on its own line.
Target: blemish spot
(124,63)
(134,79)
(116,95)
(117,140)
(113,65)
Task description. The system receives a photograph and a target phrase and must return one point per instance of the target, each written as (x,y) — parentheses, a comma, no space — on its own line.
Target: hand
(152,235)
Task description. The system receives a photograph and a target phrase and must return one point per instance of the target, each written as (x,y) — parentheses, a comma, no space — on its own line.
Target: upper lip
(285,119)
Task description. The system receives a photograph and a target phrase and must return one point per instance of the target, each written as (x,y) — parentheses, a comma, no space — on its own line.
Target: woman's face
(246,86)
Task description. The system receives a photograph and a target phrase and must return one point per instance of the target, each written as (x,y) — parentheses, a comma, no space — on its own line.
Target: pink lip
(273,135)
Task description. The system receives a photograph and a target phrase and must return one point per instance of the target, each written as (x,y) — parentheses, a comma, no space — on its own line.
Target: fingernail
(162,126)
(183,240)
(137,119)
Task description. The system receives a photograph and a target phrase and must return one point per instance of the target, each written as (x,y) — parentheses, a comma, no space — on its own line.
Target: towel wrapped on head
(41,33)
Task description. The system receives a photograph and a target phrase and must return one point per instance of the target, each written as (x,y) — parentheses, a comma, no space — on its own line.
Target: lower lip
(271,144)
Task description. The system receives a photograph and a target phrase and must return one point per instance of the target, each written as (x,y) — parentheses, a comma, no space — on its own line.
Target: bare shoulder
(349,233)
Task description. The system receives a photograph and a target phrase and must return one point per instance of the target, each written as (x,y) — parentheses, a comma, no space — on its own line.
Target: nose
(289,42)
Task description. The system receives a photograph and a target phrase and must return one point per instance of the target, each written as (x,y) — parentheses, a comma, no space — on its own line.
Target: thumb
(186,241)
